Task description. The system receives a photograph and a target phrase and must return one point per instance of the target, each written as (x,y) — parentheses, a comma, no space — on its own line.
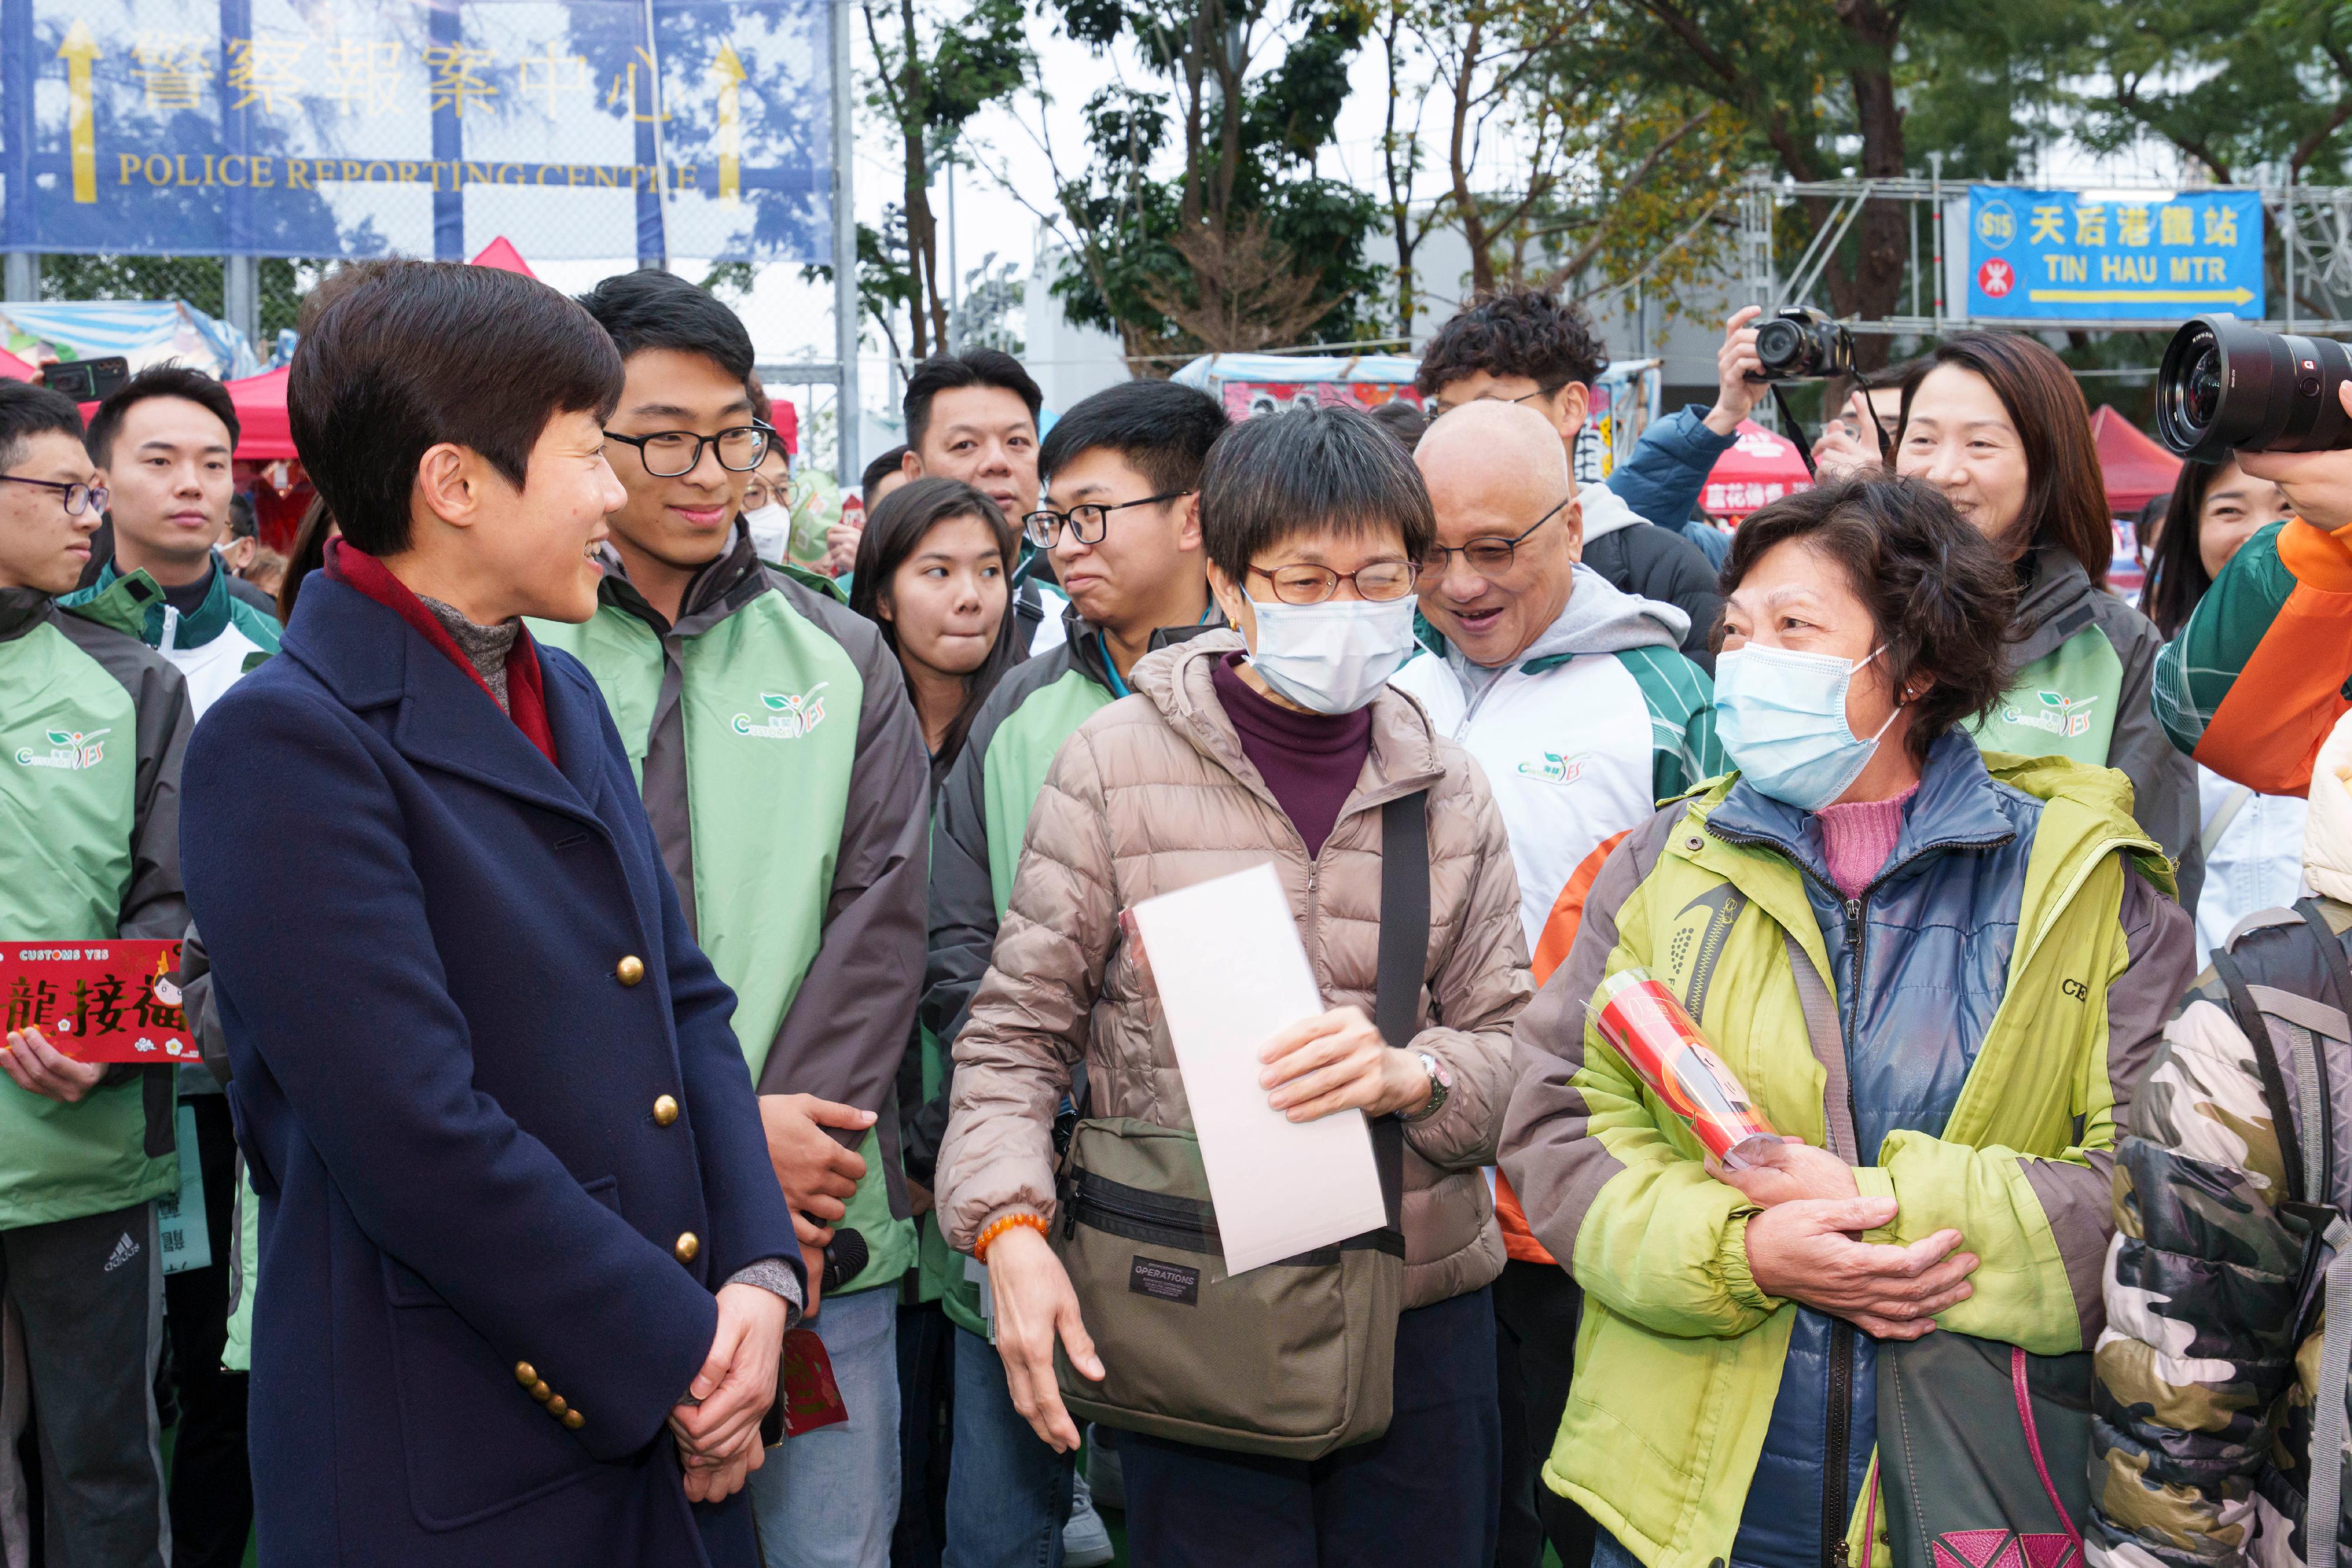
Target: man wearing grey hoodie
(1578,703)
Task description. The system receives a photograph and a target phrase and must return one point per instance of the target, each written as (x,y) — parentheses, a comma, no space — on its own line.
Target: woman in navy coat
(525,1266)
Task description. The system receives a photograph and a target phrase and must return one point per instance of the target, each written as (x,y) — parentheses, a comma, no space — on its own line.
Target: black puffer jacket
(1655,562)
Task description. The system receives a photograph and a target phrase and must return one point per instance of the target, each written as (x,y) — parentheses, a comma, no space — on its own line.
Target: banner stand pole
(847,465)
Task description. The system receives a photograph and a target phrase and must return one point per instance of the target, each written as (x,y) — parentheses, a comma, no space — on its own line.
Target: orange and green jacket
(2261,673)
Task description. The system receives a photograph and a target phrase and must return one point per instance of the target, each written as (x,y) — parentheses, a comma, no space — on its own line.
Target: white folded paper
(1231,971)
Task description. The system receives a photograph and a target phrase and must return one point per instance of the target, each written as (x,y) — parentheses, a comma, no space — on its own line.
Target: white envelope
(1231,971)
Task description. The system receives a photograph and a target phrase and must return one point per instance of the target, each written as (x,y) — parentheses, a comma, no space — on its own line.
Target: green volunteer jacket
(92,727)
(785,775)
(212,648)
(981,817)
(1679,1355)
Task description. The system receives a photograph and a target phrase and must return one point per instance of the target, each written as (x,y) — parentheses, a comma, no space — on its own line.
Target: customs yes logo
(787,718)
(1554,768)
(71,750)
(2057,713)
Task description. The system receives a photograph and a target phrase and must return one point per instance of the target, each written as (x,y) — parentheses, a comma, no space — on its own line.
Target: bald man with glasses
(1577,703)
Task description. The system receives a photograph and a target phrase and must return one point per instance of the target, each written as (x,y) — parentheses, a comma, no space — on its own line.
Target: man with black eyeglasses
(1575,700)
(787,781)
(93,725)
(1123,535)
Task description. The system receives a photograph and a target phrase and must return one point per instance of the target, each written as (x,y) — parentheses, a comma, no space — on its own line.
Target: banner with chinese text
(587,129)
(2056,255)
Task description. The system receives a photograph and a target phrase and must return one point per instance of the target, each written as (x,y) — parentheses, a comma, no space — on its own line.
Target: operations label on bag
(1167,1282)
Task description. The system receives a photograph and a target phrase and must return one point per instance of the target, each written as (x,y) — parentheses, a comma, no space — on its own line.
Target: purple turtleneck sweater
(1310,760)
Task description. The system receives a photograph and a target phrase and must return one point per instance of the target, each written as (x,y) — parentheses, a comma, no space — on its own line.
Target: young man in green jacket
(1125,540)
(786,778)
(92,728)
(162,442)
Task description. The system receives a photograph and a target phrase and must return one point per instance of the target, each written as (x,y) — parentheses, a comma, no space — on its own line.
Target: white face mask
(1333,657)
(771,530)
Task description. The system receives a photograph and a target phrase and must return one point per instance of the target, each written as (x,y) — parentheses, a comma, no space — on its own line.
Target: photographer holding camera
(2276,621)
(1995,421)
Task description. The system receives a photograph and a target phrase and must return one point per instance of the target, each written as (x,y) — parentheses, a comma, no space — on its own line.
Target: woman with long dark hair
(2218,507)
(1995,421)
(311,538)
(934,572)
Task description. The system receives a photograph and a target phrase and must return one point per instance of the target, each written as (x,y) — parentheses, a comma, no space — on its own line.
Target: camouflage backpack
(2300,1002)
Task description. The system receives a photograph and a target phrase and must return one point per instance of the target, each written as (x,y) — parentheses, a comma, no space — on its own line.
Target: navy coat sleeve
(336,983)
(749,1218)
(1662,479)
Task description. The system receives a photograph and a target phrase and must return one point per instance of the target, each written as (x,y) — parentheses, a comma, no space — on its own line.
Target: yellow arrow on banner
(79,50)
(729,69)
(2239,295)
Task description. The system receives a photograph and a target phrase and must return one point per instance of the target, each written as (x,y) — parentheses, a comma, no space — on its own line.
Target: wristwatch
(1441,1084)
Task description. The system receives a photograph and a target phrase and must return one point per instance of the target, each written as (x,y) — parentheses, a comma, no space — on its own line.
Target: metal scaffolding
(2313,223)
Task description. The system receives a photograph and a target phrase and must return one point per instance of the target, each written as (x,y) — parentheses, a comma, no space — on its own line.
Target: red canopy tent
(17,369)
(2136,470)
(262,436)
(1758,469)
(501,254)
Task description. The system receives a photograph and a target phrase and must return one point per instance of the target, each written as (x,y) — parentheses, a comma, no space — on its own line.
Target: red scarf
(526,695)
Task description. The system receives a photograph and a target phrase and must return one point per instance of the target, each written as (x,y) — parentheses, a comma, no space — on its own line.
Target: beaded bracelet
(1003,1223)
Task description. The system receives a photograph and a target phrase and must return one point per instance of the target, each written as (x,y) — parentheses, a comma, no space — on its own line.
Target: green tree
(936,72)
(1245,246)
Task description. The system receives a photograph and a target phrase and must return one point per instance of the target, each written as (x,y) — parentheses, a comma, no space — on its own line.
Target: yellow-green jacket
(1992,949)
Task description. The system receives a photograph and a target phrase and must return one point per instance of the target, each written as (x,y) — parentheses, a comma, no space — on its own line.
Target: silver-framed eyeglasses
(1438,407)
(1089,521)
(1488,556)
(668,453)
(79,498)
(1382,581)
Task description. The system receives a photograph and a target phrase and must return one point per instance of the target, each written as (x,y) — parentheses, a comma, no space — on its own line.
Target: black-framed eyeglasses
(1439,406)
(1381,583)
(1487,556)
(668,453)
(78,497)
(1042,528)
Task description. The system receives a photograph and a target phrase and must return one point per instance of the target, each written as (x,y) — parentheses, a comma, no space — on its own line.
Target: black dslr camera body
(1802,344)
(2227,387)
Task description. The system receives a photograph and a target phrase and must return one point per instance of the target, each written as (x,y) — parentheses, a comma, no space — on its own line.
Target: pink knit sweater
(1856,839)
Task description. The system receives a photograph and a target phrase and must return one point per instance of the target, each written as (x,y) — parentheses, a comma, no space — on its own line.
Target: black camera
(1800,344)
(2227,387)
(87,380)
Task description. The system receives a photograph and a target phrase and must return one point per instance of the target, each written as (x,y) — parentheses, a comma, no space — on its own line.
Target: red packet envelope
(809,1394)
(111,1000)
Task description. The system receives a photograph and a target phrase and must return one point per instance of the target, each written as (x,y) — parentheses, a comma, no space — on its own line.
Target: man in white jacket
(1577,703)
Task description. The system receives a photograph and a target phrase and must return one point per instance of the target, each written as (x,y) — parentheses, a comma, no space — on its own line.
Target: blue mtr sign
(2058,254)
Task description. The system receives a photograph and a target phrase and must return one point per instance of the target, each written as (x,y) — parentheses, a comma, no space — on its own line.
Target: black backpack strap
(1404,964)
(2256,1029)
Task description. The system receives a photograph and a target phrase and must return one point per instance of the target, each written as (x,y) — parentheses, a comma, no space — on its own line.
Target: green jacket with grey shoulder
(785,775)
(93,728)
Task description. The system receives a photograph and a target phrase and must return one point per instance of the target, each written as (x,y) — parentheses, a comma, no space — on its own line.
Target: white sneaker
(1086,1541)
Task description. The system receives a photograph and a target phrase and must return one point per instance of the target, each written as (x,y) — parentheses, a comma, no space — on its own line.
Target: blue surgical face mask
(1781,716)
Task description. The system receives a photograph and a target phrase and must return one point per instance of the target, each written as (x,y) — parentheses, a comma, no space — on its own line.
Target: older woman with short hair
(1989,948)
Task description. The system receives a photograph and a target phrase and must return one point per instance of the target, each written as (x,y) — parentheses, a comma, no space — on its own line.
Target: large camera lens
(2227,387)
(1781,343)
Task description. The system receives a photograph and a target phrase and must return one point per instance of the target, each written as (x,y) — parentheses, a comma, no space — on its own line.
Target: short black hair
(1303,470)
(972,368)
(1403,420)
(1163,430)
(28,409)
(1519,332)
(242,524)
(1943,599)
(422,352)
(881,469)
(158,381)
(650,309)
